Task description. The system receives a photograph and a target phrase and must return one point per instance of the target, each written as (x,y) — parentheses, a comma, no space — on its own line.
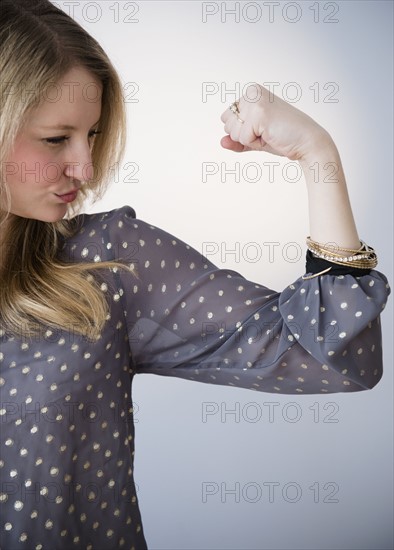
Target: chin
(54,219)
(48,217)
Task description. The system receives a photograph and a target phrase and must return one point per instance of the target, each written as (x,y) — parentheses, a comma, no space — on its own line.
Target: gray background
(344,441)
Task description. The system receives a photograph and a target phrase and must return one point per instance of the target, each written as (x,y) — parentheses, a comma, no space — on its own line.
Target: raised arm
(187,318)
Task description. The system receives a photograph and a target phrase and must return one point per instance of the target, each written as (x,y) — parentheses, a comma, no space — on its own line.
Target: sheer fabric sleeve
(187,318)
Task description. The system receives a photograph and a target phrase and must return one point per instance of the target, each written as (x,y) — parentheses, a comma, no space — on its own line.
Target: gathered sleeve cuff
(336,318)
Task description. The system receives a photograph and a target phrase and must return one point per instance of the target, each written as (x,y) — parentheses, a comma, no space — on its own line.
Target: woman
(87,301)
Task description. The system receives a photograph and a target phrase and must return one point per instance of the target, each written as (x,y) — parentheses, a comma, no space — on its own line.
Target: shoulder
(100,222)
(92,233)
(102,219)
(119,235)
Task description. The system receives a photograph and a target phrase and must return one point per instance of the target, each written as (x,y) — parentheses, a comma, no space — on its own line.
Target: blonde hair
(39,45)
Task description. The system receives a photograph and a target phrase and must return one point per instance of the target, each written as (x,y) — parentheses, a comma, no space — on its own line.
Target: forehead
(74,100)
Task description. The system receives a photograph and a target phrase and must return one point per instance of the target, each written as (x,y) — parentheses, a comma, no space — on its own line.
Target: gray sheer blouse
(67,435)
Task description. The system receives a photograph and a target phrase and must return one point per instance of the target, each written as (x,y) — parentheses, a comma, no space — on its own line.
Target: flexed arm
(190,319)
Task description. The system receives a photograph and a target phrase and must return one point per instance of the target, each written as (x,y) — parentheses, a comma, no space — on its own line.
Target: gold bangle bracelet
(316,274)
(363,258)
(315,244)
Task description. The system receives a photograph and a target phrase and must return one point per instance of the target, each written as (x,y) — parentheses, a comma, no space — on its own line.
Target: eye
(56,140)
(62,139)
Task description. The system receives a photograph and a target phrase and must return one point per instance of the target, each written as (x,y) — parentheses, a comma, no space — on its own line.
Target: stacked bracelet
(363,258)
(322,259)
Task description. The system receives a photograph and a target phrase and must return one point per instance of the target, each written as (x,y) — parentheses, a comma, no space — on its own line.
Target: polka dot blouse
(67,435)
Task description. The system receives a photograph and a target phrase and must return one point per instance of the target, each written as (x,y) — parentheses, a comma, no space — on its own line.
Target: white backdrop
(280,472)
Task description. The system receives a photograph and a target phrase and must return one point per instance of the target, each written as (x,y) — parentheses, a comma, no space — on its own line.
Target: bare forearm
(330,213)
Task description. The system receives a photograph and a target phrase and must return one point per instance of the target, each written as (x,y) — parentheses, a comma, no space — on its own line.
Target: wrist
(322,164)
(321,149)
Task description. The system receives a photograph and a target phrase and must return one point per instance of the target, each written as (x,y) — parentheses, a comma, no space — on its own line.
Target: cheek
(32,167)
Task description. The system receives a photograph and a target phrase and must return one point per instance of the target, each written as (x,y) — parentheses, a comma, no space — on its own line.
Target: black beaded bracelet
(315,265)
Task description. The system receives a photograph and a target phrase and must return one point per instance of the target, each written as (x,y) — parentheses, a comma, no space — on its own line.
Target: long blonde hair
(39,44)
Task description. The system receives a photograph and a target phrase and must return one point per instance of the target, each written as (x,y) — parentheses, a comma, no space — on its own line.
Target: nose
(78,164)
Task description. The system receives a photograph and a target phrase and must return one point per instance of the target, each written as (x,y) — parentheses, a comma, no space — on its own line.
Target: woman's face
(52,154)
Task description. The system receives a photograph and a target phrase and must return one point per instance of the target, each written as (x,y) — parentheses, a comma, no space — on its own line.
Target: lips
(68,197)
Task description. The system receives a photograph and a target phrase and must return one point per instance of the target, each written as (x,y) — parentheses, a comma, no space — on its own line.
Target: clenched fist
(268,123)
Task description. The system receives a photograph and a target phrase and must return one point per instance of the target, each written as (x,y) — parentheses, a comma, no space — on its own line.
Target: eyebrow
(63,126)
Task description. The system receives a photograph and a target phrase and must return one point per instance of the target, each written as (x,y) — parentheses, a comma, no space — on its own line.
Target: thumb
(227,143)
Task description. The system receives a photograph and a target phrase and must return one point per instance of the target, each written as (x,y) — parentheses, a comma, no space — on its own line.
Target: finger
(227,114)
(232,131)
(249,138)
(232,124)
